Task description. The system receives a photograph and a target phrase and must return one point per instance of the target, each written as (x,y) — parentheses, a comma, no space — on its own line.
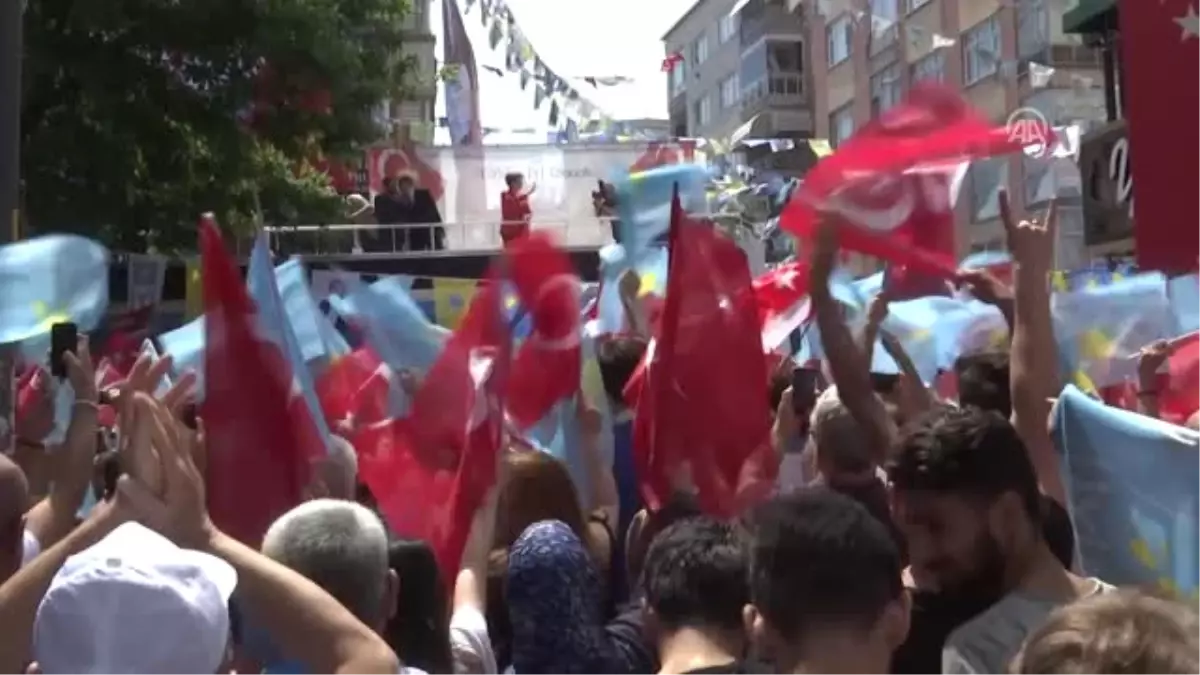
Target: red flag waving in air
(892,183)
(1160,42)
(431,470)
(783,302)
(547,366)
(354,390)
(703,402)
(261,437)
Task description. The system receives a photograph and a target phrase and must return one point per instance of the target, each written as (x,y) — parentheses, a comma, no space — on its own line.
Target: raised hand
(1030,241)
(983,286)
(177,508)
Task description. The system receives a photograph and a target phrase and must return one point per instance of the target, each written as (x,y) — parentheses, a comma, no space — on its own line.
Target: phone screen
(63,338)
(804,389)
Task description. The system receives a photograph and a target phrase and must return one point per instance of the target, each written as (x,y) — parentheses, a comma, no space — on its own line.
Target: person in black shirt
(403,203)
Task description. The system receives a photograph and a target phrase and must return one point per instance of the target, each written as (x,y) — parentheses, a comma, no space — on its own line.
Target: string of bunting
(521,59)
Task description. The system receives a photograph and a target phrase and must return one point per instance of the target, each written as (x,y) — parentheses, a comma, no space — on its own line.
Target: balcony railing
(457,238)
(774,89)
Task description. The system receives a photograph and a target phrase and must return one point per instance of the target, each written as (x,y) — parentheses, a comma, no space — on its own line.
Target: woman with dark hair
(419,631)
(537,487)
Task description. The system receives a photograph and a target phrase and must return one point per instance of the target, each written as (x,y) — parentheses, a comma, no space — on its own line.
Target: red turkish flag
(431,470)
(1160,45)
(547,367)
(702,402)
(392,162)
(892,183)
(783,302)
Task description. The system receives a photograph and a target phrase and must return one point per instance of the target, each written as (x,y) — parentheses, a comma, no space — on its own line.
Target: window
(679,76)
(841,125)
(1033,28)
(837,40)
(914,5)
(985,246)
(886,89)
(700,50)
(1040,182)
(702,111)
(981,51)
(884,28)
(727,29)
(731,91)
(931,68)
(988,176)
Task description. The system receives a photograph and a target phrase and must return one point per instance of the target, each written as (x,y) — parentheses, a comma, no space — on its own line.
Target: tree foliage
(137,115)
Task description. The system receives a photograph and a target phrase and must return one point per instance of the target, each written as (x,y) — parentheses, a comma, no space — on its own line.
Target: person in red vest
(515,213)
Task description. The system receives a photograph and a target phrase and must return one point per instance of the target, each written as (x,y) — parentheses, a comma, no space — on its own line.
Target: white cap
(135,603)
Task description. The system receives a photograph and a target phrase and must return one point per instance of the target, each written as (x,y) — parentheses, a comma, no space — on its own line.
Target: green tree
(137,115)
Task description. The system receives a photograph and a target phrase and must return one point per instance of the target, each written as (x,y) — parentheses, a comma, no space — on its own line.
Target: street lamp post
(11,12)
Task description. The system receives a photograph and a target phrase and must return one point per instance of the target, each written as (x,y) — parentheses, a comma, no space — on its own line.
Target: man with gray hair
(342,547)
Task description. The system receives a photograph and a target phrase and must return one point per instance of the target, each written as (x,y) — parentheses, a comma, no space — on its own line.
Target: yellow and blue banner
(1131,483)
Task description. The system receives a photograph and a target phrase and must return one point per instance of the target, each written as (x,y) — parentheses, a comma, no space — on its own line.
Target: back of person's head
(419,632)
(841,444)
(695,576)
(341,476)
(618,357)
(513,178)
(821,565)
(537,487)
(983,382)
(555,604)
(134,602)
(1124,631)
(342,547)
(647,525)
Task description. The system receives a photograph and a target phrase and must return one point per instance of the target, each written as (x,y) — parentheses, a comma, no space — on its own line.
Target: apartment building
(412,118)
(1004,55)
(1104,151)
(739,74)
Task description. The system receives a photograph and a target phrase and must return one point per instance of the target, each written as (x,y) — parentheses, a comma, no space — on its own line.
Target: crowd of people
(915,535)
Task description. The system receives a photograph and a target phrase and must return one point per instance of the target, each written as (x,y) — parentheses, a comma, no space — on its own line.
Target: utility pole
(11,19)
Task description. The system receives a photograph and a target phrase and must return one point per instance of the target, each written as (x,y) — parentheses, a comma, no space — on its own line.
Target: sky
(575,38)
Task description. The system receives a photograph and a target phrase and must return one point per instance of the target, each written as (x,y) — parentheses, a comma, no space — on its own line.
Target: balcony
(759,19)
(774,90)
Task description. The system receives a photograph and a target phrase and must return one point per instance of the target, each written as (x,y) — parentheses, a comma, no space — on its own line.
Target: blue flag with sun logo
(644,202)
(1100,328)
(1131,484)
(48,280)
(651,269)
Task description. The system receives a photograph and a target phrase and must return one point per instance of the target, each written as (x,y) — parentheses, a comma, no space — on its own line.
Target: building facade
(1005,55)
(738,74)
(1104,152)
(411,119)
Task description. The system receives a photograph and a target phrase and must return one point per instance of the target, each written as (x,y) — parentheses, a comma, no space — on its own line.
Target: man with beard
(967,499)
